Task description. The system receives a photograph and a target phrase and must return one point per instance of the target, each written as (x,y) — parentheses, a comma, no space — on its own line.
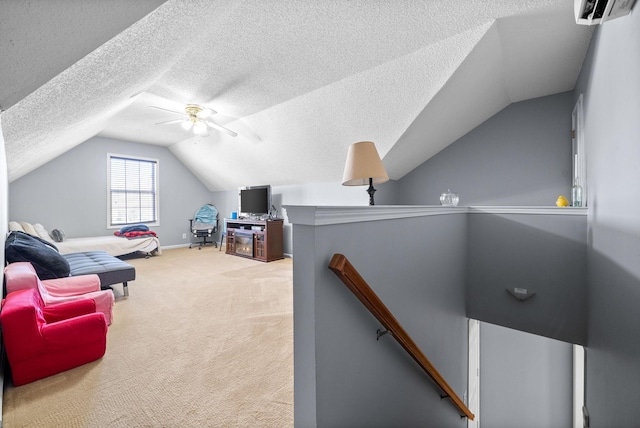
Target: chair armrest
(66,310)
(20,276)
(74,332)
(72,285)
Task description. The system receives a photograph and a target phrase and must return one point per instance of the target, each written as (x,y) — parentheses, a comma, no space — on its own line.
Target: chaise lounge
(109,269)
(50,264)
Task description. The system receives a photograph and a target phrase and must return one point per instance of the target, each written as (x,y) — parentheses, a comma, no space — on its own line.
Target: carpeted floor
(204,340)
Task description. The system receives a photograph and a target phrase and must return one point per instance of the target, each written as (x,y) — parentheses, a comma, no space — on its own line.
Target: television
(254,201)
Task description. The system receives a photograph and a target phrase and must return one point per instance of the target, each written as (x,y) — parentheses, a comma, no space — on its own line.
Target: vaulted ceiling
(299,81)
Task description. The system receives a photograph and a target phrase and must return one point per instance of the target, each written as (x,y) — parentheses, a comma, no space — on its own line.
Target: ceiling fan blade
(170,121)
(220,127)
(206,112)
(166,109)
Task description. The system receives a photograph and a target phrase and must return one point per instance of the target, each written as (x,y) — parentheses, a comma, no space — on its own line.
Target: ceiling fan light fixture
(194,120)
(200,128)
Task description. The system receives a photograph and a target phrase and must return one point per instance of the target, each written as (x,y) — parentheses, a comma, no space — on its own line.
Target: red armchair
(21,275)
(42,341)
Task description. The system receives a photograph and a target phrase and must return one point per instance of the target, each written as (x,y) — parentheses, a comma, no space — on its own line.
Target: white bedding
(114,245)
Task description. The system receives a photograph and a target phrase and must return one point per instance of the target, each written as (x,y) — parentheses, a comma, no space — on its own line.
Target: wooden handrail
(358,286)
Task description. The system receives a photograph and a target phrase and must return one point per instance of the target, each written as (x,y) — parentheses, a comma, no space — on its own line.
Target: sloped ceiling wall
(298,81)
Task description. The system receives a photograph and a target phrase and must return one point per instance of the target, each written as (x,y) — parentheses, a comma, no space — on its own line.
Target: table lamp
(363,167)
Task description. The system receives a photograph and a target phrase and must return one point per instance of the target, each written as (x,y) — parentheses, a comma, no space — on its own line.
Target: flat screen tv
(254,201)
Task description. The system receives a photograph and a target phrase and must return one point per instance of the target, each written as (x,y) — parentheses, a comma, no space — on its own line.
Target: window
(133,194)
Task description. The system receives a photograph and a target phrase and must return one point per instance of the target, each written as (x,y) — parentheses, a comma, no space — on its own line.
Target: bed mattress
(112,245)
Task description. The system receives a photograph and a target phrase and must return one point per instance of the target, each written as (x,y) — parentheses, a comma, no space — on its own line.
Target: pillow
(14,225)
(28,228)
(42,232)
(43,255)
(57,235)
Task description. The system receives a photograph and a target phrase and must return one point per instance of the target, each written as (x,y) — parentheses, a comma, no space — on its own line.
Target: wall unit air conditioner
(592,12)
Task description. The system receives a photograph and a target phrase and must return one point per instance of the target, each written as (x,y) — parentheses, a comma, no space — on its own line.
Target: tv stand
(255,239)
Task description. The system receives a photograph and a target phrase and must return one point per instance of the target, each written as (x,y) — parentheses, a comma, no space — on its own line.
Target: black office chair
(204,224)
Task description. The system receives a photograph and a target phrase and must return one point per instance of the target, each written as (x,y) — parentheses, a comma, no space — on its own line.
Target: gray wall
(343,376)
(526,380)
(520,156)
(4,222)
(4,198)
(610,82)
(70,192)
(542,253)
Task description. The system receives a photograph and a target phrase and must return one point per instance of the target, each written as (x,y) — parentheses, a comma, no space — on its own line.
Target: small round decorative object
(562,201)
(449,199)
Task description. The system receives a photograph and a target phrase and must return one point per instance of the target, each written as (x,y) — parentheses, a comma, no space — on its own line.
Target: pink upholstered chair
(22,275)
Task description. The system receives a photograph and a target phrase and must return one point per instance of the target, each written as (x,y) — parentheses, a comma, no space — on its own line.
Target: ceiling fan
(194,118)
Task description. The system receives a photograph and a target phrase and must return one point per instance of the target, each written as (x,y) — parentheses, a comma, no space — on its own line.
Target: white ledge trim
(530,210)
(326,215)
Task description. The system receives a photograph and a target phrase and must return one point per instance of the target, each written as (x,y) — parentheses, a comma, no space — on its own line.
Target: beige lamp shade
(363,163)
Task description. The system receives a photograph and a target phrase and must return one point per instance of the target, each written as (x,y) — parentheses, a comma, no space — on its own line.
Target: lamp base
(371,191)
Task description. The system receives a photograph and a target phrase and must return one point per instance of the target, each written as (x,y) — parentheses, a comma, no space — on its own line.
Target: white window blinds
(133,196)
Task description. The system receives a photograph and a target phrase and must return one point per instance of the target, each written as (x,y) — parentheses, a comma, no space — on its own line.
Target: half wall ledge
(325,215)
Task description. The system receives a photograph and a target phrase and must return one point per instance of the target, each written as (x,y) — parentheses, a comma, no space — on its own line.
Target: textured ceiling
(299,81)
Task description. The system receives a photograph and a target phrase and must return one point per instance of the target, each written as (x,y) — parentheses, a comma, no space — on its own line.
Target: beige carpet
(204,339)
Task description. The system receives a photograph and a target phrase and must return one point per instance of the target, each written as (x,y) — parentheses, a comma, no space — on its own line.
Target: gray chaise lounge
(109,269)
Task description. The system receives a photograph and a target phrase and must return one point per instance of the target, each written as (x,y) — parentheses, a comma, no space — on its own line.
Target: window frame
(156,192)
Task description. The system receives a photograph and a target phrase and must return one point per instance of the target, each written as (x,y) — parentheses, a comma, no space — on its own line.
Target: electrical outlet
(184,236)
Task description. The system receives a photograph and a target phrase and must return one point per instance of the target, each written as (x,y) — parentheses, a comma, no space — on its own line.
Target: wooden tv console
(255,239)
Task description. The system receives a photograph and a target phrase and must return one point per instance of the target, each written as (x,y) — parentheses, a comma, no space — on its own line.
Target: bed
(112,245)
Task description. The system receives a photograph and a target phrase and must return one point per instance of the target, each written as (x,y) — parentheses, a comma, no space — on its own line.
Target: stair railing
(358,286)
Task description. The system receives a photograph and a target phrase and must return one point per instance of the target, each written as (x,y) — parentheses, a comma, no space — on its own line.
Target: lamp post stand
(371,191)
